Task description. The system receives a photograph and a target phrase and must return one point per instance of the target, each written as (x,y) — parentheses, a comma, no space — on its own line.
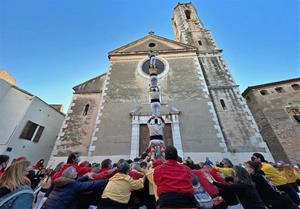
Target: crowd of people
(147,183)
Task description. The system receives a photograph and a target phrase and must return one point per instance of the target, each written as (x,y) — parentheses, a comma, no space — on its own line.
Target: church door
(145,137)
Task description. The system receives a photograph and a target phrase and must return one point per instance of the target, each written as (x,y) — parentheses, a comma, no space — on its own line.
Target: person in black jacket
(243,187)
(63,195)
(271,196)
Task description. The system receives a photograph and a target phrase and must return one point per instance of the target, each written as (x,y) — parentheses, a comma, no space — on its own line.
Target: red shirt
(217,176)
(104,175)
(104,170)
(135,175)
(173,177)
(80,170)
(211,189)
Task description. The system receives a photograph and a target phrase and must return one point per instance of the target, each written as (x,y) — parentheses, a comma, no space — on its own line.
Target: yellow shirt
(273,174)
(297,173)
(288,173)
(120,186)
(225,171)
(152,185)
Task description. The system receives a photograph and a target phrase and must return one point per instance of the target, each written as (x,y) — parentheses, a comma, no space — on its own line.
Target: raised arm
(89,185)
(136,184)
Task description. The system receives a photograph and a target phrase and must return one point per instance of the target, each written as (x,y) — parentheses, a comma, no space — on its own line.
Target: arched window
(295,86)
(200,43)
(248,99)
(223,104)
(188,14)
(264,92)
(294,113)
(86,109)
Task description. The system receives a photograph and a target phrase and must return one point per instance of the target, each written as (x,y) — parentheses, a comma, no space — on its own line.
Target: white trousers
(153,80)
(156,142)
(152,61)
(155,108)
(40,200)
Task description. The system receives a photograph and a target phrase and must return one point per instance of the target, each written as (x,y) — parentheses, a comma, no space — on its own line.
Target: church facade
(205,114)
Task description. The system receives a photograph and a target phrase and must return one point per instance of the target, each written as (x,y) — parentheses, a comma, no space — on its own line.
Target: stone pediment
(154,43)
(93,85)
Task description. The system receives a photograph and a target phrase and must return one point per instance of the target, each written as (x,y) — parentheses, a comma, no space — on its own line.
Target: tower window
(279,90)
(264,92)
(86,110)
(223,104)
(188,14)
(294,113)
(295,86)
(200,43)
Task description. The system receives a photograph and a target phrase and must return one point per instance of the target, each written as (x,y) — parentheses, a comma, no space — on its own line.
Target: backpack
(202,197)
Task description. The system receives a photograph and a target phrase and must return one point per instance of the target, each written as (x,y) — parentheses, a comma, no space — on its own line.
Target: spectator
(117,193)
(36,173)
(39,164)
(3,163)
(271,196)
(276,178)
(106,165)
(63,195)
(45,185)
(243,187)
(174,182)
(72,161)
(225,167)
(15,190)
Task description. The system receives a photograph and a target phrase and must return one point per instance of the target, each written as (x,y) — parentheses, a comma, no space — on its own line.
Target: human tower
(155,123)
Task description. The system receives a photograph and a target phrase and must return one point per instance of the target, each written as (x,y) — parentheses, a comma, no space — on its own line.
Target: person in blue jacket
(15,190)
(66,187)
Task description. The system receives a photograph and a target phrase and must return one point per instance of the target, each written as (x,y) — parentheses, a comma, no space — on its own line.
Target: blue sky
(49,46)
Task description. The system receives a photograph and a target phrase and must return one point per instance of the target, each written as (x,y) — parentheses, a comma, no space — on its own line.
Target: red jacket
(135,174)
(80,170)
(173,177)
(104,170)
(217,176)
(104,174)
(211,189)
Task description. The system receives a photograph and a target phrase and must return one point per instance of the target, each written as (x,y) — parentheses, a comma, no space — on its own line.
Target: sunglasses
(253,158)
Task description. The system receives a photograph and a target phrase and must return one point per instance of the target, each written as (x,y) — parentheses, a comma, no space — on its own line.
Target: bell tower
(189,29)
(240,131)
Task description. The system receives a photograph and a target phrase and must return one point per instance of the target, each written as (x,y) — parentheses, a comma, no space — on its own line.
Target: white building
(28,125)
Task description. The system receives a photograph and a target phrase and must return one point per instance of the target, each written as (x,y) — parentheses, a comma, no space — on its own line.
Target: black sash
(160,137)
(177,200)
